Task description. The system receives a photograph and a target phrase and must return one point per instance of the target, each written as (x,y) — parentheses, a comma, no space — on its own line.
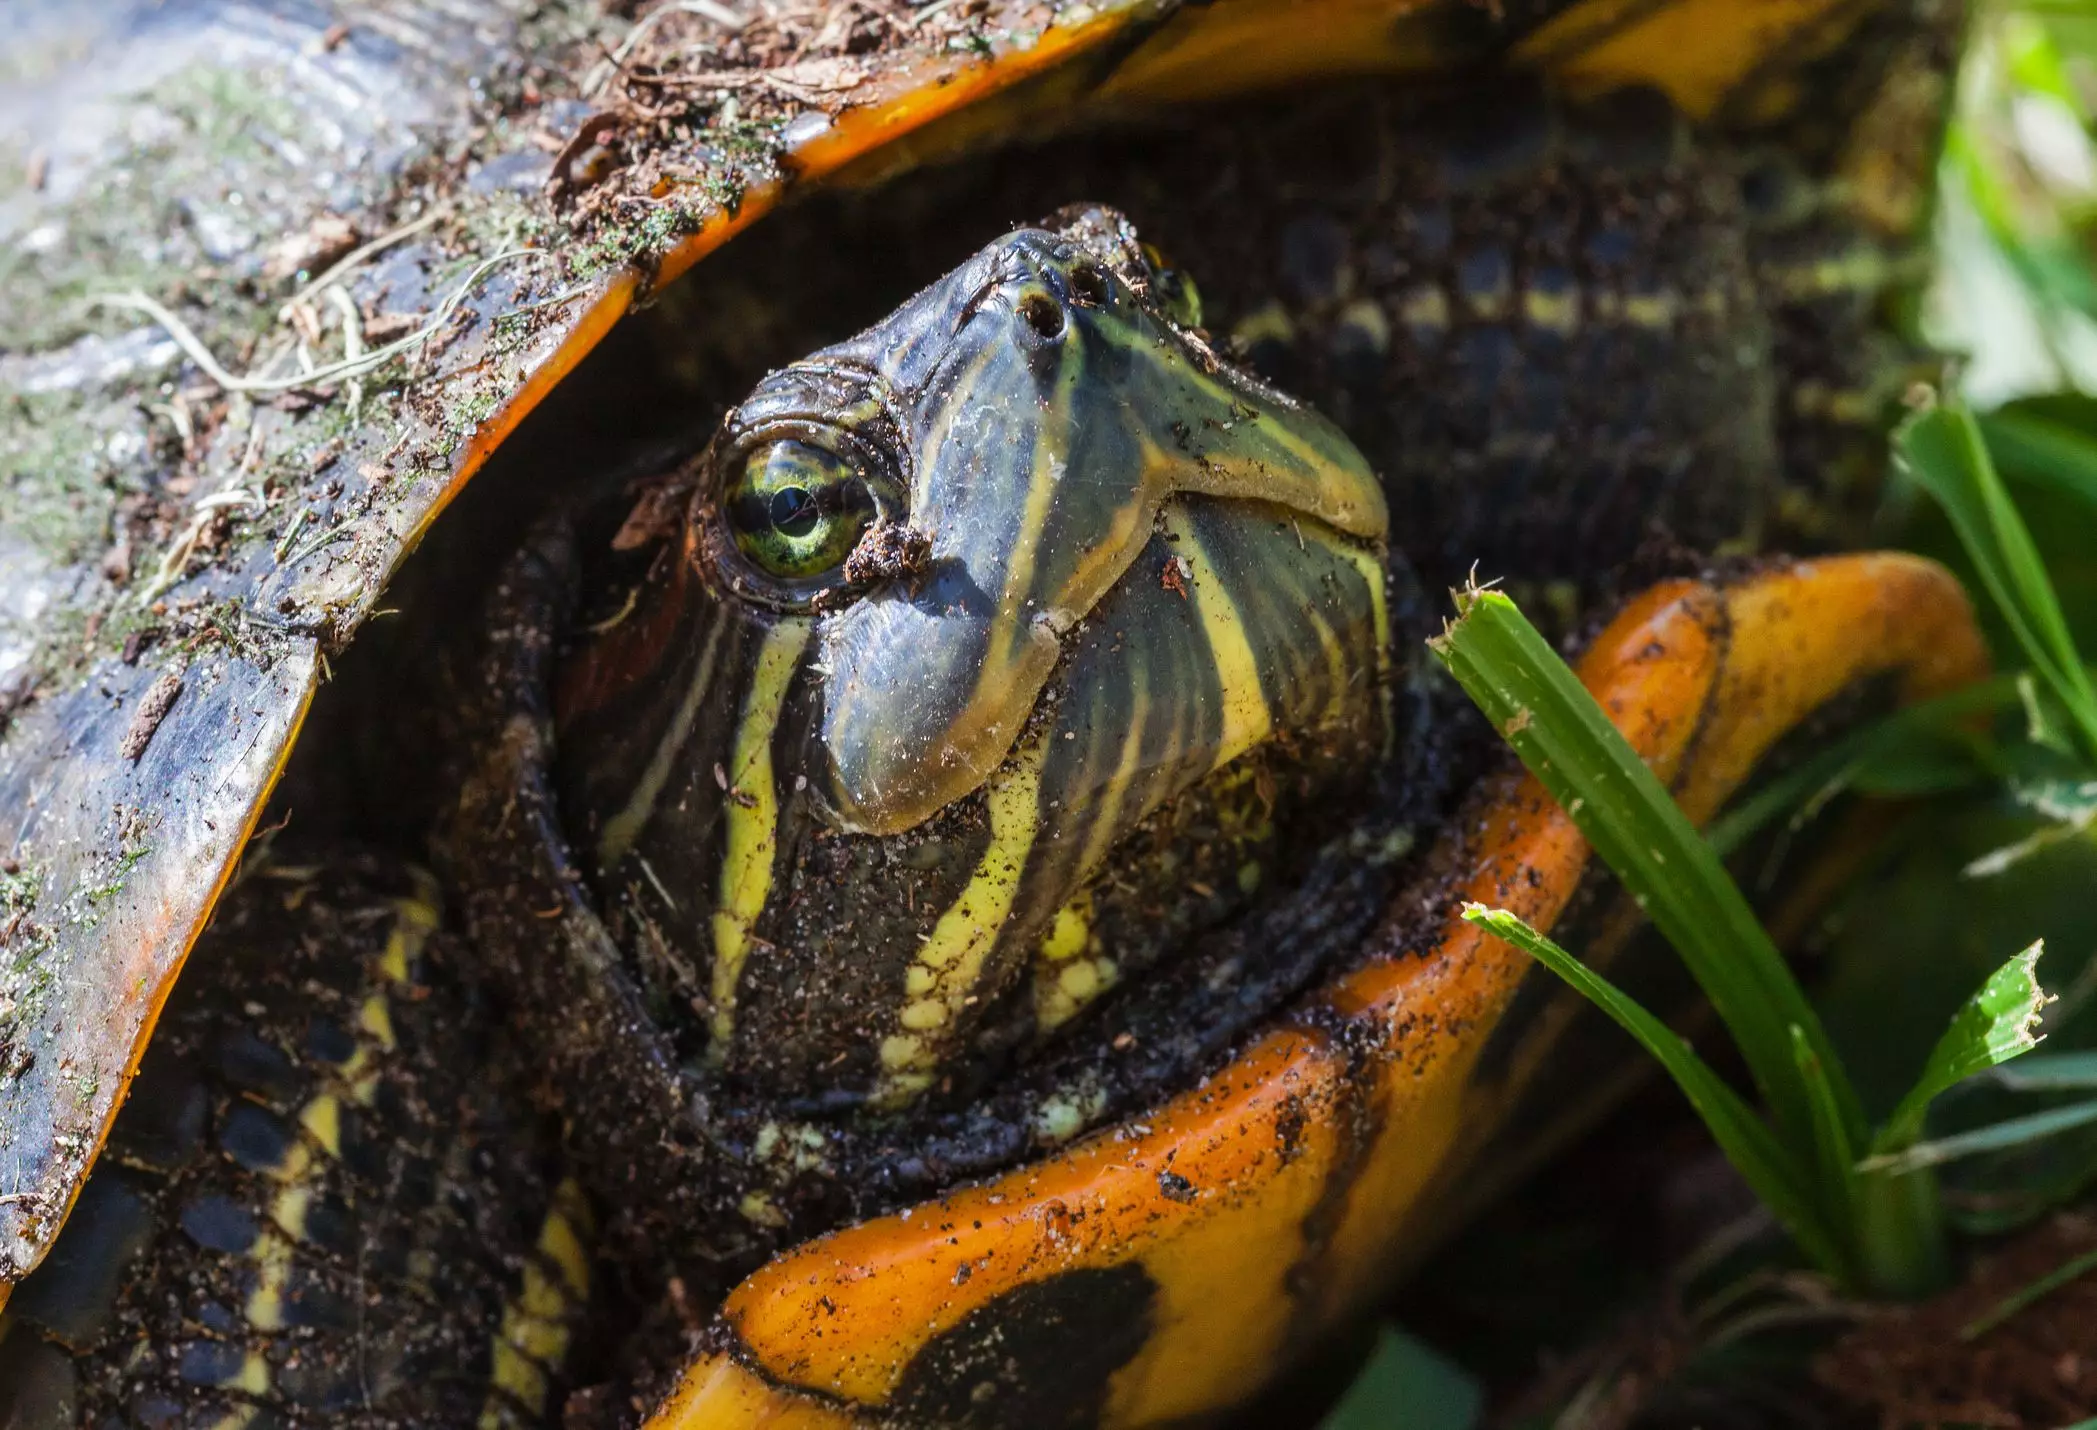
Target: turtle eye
(797,509)
(1174,289)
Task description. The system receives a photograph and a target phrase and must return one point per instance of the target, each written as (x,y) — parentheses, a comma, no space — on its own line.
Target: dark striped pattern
(320,1201)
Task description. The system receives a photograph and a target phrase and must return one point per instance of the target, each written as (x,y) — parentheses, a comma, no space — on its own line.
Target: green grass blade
(1831,1139)
(1998,1023)
(1565,739)
(1776,1177)
(2049,1072)
(1995,1137)
(1942,449)
(1814,781)
(2073,1269)
(2045,453)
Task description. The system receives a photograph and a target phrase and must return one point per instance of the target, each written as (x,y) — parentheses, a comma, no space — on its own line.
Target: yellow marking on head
(968,929)
(322,1119)
(1552,312)
(376,1018)
(623,828)
(752,812)
(271,1255)
(1247,720)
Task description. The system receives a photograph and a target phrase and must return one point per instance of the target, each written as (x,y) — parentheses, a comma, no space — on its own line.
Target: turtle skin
(321,1203)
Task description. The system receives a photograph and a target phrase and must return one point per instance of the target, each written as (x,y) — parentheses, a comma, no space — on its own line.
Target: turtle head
(961,603)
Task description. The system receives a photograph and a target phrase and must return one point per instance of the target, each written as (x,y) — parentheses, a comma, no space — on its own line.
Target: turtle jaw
(1061,418)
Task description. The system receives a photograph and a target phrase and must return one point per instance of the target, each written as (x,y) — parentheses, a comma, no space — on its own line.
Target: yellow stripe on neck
(752,812)
(965,934)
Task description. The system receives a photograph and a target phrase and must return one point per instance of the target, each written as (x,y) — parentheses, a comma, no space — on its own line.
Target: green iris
(797,509)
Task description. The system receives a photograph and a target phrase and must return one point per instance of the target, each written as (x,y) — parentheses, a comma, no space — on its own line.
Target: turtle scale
(114,847)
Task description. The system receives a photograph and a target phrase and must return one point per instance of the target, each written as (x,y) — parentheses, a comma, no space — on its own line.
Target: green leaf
(1943,451)
(1912,750)
(1776,1176)
(1998,1023)
(2036,448)
(1831,1138)
(1566,740)
(2070,1270)
(2049,1072)
(1995,1137)
(1405,1383)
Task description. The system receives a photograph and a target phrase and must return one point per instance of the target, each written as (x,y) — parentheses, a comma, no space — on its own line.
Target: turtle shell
(281,282)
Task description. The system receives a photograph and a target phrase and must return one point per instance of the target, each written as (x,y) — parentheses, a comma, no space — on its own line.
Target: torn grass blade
(1998,1023)
(1543,711)
(1762,1159)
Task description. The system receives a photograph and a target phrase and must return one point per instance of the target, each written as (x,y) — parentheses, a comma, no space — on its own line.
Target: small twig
(203,509)
(611,64)
(319,541)
(352,345)
(349,262)
(935,8)
(290,535)
(185,337)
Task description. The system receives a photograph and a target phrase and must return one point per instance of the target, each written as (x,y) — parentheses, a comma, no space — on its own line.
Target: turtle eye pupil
(794,511)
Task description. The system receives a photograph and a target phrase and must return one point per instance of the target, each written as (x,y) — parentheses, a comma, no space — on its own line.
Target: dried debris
(153,706)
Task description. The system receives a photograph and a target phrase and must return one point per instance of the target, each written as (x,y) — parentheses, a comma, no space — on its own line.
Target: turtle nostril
(1088,285)
(1043,314)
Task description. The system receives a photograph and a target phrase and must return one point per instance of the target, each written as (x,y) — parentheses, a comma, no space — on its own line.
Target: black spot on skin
(39,1389)
(210,1363)
(218,1223)
(162,1125)
(330,1041)
(256,1139)
(1176,1188)
(73,1294)
(249,1062)
(1040,1355)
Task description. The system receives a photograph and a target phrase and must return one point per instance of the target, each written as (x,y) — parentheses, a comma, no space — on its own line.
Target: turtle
(893,857)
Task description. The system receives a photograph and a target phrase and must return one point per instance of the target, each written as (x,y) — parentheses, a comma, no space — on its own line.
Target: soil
(2034,1370)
